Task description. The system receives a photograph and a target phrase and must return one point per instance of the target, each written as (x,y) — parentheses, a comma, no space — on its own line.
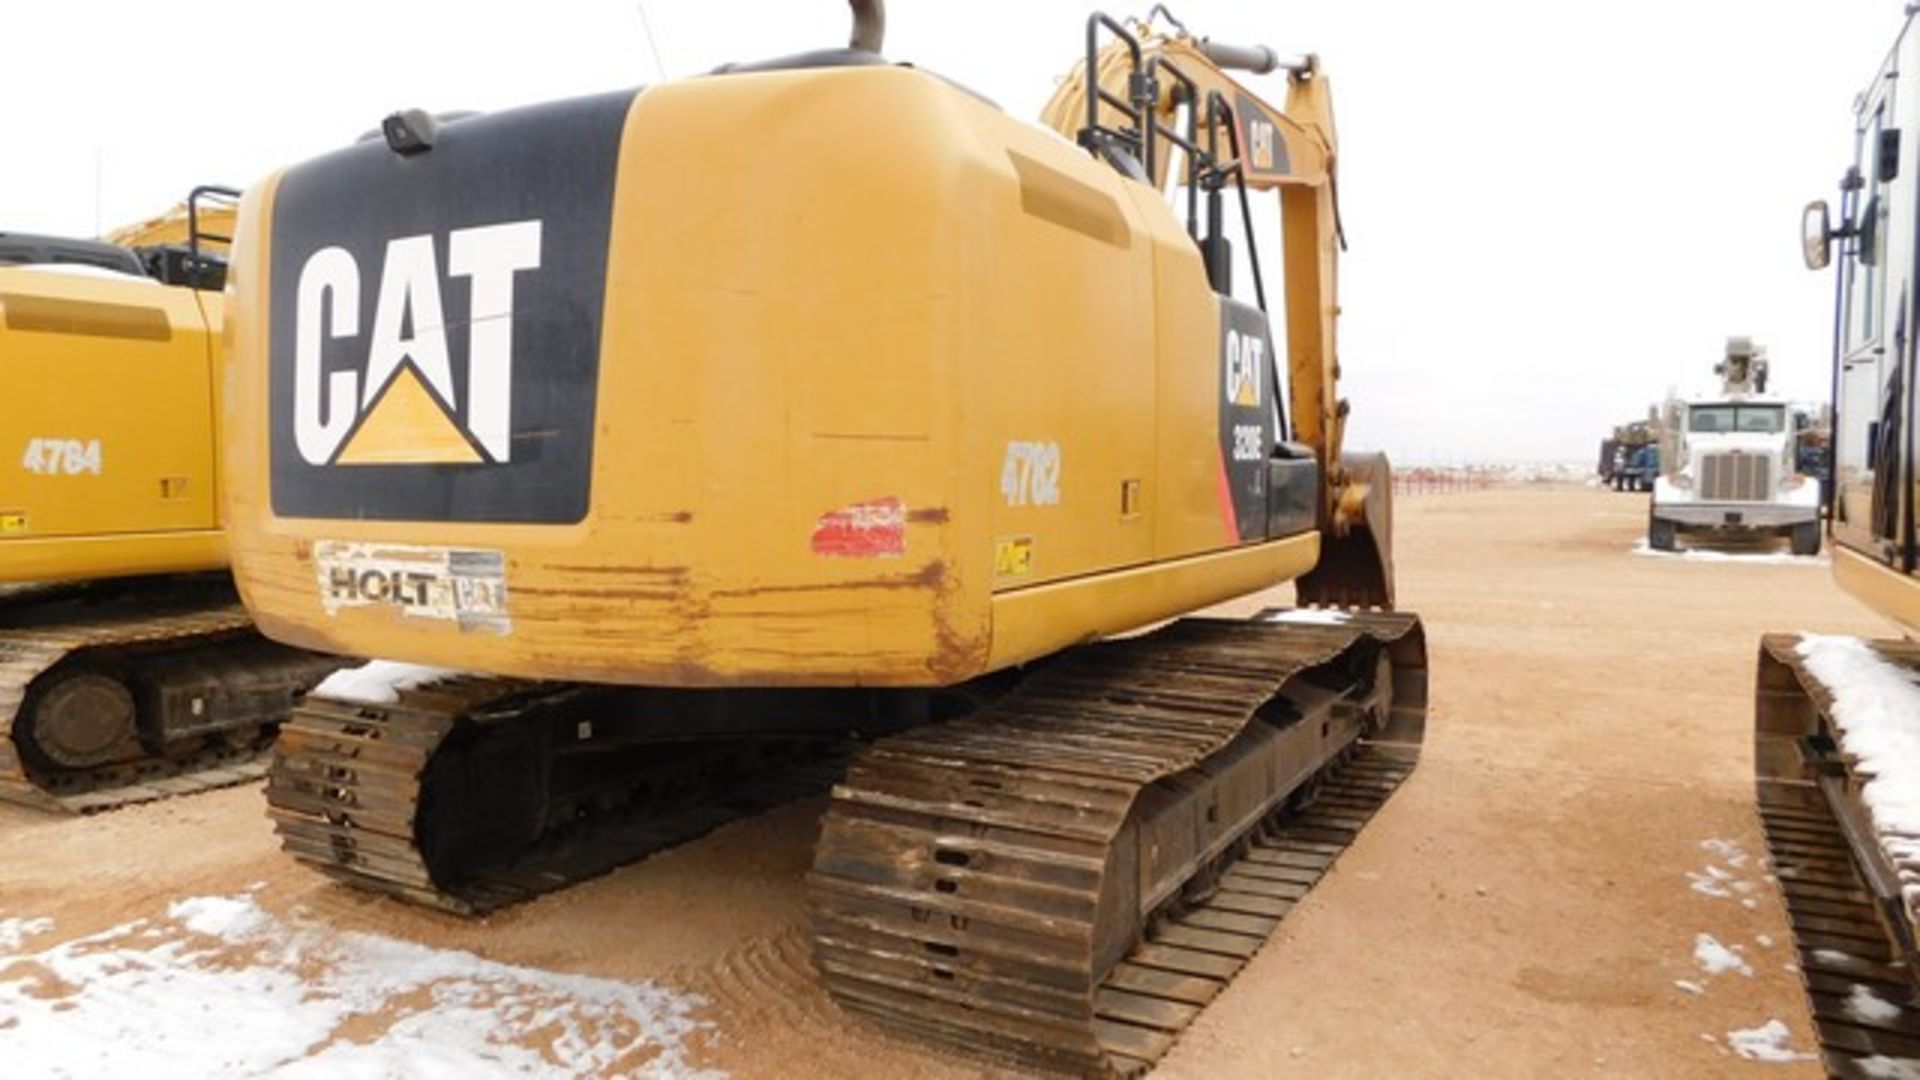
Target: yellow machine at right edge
(650,437)
(1837,738)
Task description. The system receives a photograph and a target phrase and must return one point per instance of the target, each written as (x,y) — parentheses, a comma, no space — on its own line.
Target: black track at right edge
(1842,943)
(1855,964)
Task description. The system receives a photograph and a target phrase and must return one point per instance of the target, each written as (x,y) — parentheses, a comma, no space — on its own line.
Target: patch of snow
(1876,706)
(1750,904)
(1706,885)
(16,930)
(1765,940)
(1765,1043)
(1754,558)
(226,917)
(1689,986)
(1311,617)
(1881,1067)
(379,682)
(1863,1004)
(1716,959)
(1728,850)
(299,1000)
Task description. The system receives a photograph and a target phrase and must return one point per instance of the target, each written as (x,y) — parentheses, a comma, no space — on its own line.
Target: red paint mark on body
(1227,514)
(864,530)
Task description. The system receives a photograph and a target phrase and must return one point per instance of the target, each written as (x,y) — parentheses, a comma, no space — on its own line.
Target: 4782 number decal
(61,457)
(1030,474)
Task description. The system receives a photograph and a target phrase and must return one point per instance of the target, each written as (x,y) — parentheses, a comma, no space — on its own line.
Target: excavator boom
(1175,90)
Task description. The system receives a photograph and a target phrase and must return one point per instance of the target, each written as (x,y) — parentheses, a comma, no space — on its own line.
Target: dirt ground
(1526,905)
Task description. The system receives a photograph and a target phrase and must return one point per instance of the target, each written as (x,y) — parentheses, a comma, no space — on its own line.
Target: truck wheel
(1806,538)
(1660,534)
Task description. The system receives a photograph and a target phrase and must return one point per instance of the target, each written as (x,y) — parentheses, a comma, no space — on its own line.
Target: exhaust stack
(869,25)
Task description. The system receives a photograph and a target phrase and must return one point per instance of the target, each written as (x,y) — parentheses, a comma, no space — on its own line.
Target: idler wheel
(84,720)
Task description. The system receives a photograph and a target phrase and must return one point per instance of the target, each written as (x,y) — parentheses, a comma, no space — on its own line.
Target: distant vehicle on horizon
(1733,469)
(1630,459)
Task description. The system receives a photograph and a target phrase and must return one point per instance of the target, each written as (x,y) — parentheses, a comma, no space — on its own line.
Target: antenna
(652,46)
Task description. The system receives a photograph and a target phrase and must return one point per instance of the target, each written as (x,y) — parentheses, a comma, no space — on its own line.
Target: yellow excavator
(654,441)
(128,669)
(1837,732)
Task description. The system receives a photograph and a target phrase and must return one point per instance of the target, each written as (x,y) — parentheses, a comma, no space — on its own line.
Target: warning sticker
(1013,556)
(463,586)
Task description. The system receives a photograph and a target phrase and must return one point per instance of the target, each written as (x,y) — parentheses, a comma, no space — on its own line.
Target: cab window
(1864,277)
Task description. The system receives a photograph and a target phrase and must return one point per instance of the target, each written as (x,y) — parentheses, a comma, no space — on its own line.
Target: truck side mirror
(1816,235)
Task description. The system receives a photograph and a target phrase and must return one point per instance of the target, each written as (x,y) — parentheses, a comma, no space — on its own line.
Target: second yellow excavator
(128,670)
(654,437)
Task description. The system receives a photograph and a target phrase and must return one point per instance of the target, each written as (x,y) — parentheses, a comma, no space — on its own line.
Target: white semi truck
(1729,468)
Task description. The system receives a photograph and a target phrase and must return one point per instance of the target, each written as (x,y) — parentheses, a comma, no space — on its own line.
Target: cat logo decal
(399,404)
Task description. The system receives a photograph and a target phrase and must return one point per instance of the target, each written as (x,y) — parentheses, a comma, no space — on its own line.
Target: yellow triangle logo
(407,426)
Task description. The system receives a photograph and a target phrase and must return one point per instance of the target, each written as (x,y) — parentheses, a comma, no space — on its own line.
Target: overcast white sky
(1556,210)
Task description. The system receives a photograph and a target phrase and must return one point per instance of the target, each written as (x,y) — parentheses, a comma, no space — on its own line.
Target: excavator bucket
(1356,556)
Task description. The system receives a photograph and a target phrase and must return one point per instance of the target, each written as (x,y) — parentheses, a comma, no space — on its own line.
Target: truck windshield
(1747,419)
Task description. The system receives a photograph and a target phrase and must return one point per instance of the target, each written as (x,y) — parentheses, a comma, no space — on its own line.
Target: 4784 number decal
(62,457)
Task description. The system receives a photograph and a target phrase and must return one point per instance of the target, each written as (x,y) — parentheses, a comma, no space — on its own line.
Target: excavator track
(1846,881)
(447,797)
(203,693)
(1065,878)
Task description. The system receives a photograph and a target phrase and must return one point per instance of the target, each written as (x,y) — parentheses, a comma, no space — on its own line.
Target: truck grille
(1736,477)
